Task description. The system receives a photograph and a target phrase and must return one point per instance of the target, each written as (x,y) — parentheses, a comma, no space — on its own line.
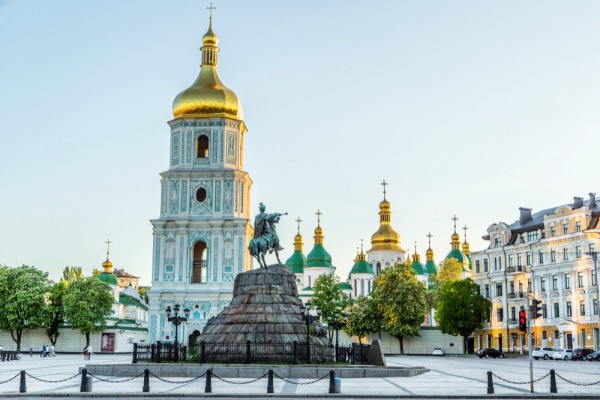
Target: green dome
(318,257)
(361,267)
(296,262)
(108,278)
(461,258)
(345,286)
(431,268)
(418,267)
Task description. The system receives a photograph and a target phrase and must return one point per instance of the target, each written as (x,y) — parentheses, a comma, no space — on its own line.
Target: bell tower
(201,237)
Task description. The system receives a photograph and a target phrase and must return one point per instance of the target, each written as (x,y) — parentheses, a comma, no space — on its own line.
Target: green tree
(143,291)
(22,302)
(88,303)
(328,296)
(56,310)
(401,300)
(72,273)
(461,308)
(364,318)
(450,270)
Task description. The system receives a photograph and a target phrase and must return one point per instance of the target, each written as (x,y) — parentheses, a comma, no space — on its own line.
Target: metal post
(84,387)
(22,385)
(146,387)
(247,352)
(295,352)
(270,388)
(490,383)
(208,385)
(202,352)
(135,348)
(331,381)
(552,381)
(530,351)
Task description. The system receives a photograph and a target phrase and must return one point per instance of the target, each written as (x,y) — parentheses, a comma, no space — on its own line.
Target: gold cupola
(207,97)
(386,238)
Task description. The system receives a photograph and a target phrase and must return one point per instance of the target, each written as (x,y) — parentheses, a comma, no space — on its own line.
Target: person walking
(31,351)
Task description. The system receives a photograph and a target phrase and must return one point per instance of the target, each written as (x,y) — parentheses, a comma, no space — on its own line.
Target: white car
(562,354)
(438,351)
(543,352)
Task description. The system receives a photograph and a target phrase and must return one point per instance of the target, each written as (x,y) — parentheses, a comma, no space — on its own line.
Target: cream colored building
(545,255)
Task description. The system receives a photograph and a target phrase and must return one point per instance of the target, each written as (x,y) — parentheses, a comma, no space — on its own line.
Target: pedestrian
(350,353)
(41,351)
(52,351)
(44,350)
(85,352)
(31,351)
(89,352)
(0,352)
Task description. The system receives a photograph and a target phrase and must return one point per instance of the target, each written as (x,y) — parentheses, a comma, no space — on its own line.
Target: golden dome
(207,96)
(107,265)
(386,238)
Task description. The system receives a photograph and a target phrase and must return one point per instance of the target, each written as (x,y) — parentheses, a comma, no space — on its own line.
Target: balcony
(512,270)
(517,295)
(512,321)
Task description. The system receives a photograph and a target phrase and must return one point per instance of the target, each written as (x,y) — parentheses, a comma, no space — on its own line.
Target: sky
(466,108)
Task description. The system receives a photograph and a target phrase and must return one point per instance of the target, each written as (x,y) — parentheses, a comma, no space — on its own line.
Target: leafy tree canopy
(72,273)
(364,318)
(328,296)
(449,270)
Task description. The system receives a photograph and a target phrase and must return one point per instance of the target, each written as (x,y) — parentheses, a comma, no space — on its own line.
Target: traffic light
(536,309)
(522,320)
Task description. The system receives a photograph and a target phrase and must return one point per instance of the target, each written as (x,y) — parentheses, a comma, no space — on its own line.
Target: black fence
(250,353)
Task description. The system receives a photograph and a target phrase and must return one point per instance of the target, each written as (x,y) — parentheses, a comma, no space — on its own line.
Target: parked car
(581,354)
(489,352)
(543,352)
(438,351)
(562,354)
(595,356)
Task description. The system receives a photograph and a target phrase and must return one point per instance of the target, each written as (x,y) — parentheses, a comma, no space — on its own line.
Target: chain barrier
(521,383)
(8,380)
(300,383)
(576,383)
(114,380)
(176,382)
(239,383)
(49,381)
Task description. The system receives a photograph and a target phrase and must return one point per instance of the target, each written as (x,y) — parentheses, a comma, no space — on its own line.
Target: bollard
(146,387)
(270,388)
(135,351)
(23,385)
(338,384)
(553,381)
(490,387)
(83,388)
(331,381)
(208,386)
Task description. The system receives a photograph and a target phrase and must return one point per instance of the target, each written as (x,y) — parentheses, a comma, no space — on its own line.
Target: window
(541,257)
(513,313)
(476,266)
(567,281)
(532,236)
(552,255)
(554,282)
(529,286)
(556,311)
(543,284)
(485,265)
(580,279)
(592,247)
(544,311)
(582,307)
(512,287)
(521,238)
(499,262)
(201,195)
(595,306)
(487,291)
(593,278)
(495,264)
(528,258)
(565,228)
(552,231)
(202,146)
(497,242)
(519,264)
(578,226)
(511,262)
(578,252)
(499,314)
(569,309)
(498,289)
(544,335)
(565,254)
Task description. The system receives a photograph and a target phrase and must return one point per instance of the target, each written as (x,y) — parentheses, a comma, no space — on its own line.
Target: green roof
(130,301)
(345,286)
(431,268)
(418,267)
(109,279)
(461,258)
(318,257)
(297,262)
(361,267)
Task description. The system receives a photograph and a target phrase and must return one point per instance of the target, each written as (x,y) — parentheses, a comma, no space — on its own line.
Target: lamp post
(176,319)
(309,319)
(337,325)
(594,255)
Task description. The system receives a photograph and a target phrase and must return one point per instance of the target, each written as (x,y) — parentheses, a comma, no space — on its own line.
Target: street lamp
(309,319)
(176,319)
(594,255)
(336,324)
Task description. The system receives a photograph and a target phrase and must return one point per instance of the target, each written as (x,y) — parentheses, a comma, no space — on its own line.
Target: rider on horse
(264,226)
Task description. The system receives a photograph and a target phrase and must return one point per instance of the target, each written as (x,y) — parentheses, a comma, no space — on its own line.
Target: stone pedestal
(265,309)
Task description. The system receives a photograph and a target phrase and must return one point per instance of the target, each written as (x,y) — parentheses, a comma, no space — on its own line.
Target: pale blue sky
(470,108)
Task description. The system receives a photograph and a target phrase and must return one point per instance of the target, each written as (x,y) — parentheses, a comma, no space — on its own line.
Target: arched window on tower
(202,146)
(199,263)
(378,269)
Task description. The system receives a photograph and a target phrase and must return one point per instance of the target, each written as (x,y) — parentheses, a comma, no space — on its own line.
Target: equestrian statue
(265,236)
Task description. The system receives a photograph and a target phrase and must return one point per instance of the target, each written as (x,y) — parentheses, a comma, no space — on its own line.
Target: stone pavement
(450,377)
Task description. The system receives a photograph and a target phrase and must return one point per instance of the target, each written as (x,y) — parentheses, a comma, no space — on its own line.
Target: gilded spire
(386,238)
(455,240)
(429,253)
(318,230)
(361,256)
(465,246)
(298,245)
(107,265)
(416,256)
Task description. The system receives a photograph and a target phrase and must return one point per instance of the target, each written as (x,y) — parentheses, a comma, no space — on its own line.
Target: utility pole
(594,255)
(529,346)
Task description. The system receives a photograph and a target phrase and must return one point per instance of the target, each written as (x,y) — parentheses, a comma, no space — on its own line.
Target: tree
(364,318)
(143,291)
(72,273)
(461,308)
(88,303)
(56,310)
(328,296)
(22,302)
(450,270)
(400,298)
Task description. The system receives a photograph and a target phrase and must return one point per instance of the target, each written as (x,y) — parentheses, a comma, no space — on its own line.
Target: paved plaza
(448,376)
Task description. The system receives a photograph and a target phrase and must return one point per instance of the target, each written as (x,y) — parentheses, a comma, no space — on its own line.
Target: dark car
(489,352)
(595,356)
(581,354)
